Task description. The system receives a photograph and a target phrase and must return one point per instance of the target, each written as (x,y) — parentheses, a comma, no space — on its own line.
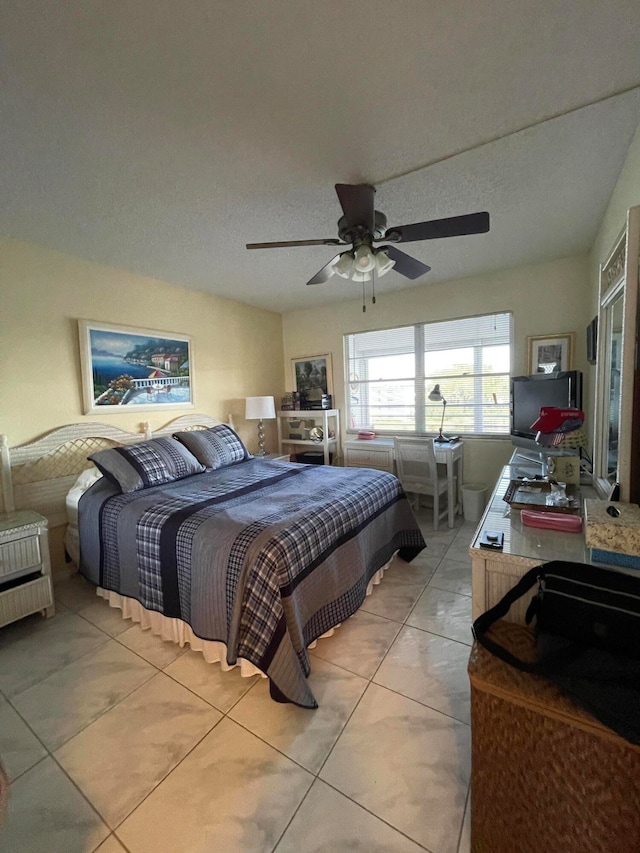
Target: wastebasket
(474,499)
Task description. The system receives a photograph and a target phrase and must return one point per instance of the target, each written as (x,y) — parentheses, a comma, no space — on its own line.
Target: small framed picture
(312,375)
(550,353)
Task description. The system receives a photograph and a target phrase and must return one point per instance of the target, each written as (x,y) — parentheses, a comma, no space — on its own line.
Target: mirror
(615,430)
(613,343)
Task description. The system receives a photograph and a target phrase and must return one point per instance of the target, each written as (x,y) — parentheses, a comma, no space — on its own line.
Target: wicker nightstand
(25,566)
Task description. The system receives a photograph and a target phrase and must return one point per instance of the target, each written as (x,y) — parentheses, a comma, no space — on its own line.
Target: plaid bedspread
(264,556)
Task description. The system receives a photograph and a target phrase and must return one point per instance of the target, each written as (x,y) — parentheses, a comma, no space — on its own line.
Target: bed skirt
(178,631)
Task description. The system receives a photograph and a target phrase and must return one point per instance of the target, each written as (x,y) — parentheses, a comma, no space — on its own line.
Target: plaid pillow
(151,463)
(216,447)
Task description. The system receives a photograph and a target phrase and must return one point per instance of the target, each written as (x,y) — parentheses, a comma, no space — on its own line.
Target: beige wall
(544,299)
(237,349)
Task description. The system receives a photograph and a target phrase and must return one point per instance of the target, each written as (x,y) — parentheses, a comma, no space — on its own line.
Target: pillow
(215,447)
(87,478)
(151,463)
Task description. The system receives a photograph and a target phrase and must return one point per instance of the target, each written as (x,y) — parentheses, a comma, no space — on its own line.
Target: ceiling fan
(362,226)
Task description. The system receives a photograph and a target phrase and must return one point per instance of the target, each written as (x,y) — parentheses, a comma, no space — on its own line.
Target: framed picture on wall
(312,375)
(140,369)
(551,353)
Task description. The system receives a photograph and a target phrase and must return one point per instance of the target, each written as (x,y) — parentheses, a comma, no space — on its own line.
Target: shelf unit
(327,419)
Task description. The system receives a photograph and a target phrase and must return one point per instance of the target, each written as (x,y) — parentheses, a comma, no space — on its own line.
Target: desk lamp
(436,397)
(259,409)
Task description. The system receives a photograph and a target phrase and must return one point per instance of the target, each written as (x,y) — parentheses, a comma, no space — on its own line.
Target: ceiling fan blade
(328,241)
(405,264)
(325,273)
(453,226)
(356,201)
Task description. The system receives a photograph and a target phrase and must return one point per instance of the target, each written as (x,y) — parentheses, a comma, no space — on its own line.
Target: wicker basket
(546,776)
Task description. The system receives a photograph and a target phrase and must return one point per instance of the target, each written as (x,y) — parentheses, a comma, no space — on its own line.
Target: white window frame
(421,334)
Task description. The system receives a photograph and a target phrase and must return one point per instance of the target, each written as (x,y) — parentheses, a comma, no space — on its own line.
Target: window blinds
(392,371)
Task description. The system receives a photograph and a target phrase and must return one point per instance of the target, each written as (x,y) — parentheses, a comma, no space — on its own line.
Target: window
(392,371)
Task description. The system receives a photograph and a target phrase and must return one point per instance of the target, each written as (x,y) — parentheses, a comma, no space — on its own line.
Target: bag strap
(498,611)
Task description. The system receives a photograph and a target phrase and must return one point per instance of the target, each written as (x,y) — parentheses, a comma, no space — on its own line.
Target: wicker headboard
(39,474)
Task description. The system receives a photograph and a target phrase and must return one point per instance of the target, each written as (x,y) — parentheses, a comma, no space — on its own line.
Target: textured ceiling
(162,136)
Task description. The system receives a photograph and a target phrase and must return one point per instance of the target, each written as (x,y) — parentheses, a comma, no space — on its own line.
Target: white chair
(418,472)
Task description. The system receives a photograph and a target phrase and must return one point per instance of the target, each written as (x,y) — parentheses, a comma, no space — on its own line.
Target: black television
(530,393)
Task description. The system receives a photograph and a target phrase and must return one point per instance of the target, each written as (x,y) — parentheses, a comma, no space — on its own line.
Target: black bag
(587,637)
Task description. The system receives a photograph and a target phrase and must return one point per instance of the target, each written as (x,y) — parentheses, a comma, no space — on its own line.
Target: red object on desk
(551,520)
(366,434)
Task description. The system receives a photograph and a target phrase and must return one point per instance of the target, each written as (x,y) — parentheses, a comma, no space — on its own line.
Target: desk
(494,573)
(379,453)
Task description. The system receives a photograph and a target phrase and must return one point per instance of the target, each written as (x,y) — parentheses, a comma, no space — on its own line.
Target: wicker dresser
(546,777)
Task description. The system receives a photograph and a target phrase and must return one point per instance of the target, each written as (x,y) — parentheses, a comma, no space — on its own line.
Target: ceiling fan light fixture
(383,262)
(360,276)
(344,266)
(364,259)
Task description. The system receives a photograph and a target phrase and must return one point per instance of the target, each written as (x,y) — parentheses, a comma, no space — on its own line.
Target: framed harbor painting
(141,369)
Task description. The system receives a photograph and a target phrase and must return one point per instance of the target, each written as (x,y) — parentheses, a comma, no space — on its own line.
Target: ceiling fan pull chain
(373,286)
(364,307)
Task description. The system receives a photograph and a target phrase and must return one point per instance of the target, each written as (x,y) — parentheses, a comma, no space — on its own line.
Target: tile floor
(116,741)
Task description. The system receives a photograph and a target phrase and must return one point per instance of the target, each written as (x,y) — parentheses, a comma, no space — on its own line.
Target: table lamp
(436,397)
(259,409)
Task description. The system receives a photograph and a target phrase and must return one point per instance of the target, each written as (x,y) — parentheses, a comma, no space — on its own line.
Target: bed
(254,559)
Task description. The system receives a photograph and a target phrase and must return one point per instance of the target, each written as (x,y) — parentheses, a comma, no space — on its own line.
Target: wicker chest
(546,776)
(25,567)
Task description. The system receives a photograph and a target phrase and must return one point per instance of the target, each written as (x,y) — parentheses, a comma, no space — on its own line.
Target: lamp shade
(344,265)
(259,408)
(364,258)
(383,262)
(436,396)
